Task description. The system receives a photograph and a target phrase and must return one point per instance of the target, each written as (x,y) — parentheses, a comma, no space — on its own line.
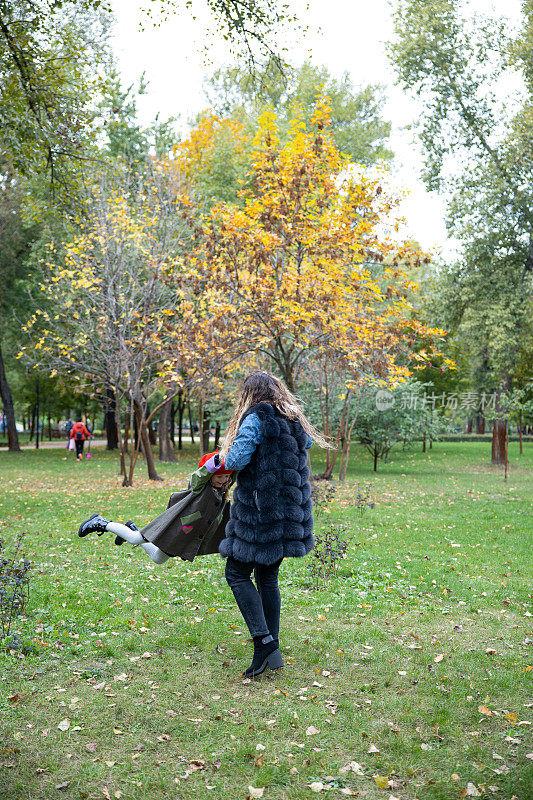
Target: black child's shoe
(266,654)
(95,524)
(129,524)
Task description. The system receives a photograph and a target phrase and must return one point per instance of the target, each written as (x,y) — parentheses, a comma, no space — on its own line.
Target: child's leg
(134,537)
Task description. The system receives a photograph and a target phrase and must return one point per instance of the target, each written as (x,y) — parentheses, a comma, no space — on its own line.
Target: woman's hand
(214,463)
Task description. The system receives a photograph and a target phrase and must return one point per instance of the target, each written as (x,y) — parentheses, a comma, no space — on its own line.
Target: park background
(342,196)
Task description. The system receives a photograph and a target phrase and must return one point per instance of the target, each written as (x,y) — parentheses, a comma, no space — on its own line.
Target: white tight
(134,537)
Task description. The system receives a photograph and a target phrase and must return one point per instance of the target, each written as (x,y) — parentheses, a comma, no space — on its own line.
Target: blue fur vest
(271,511)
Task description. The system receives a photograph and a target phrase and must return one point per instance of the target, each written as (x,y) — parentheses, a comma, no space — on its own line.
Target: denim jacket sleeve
(249,435)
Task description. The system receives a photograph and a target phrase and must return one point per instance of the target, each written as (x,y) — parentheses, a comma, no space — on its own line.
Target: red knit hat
(221,470)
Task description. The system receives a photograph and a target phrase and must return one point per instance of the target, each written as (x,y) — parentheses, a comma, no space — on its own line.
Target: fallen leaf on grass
(372,749)
(110,763)
(118,794)
(485,710)
(349,792)
(381,780)
(471,790)
(455,776)
(194,766)
(312,731)
(529,755)
(353,766)
(439,658)
(117,732)
(105,792)
(62,785)
(64,725)
(316,786)
(13,698)
(255,792)
(511,717)
(91,747)
(490,651)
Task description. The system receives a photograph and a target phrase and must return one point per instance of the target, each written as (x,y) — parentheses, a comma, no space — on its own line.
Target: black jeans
(79,446)
(259,606)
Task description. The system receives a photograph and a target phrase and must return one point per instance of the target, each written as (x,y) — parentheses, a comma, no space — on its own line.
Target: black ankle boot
(95,524)
(266,654)
(129,524)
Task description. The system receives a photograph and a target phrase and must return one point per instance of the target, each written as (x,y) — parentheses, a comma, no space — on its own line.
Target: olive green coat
(194,522)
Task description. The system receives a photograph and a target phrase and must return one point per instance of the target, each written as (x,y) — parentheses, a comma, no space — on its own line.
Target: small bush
(331,542)
(14,589)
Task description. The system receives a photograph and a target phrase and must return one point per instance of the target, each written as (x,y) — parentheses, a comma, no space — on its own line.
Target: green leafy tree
(357,125)
(50,58)
(393,416)
(17,238)
(453,64)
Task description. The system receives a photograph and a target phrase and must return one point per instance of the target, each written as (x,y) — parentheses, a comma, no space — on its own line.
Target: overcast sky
(344,35)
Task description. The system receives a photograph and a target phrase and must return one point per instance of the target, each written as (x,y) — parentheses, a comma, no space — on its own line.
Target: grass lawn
(407,676)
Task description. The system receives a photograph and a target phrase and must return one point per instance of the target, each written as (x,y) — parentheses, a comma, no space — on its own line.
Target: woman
(271,513)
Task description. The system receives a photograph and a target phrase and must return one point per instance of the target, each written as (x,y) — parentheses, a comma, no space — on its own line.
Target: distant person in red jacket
(79,433)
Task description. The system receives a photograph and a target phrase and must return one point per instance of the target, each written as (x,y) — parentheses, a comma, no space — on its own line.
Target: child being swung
(193,523)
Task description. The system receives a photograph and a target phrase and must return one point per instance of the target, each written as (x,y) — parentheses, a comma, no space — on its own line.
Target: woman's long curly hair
(263,387)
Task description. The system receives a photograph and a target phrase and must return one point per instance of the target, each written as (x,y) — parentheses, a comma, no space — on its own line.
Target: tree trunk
(341,435)
(166,450)
(480,423)
(424,443)
(217,436)
(146,444)
(181,408)
(520,431)
(201,426)
(324,411)
(499,442)
(120,442)
(348,439)
(206,431)
(151,433)
(173,423)
(126,430)
(110,423)
(32,425)
(9,411)
(375,460)
(37,413)
(190,423)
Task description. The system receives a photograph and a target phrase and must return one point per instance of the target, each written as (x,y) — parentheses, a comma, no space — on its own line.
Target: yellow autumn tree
(105,301)
(310,262)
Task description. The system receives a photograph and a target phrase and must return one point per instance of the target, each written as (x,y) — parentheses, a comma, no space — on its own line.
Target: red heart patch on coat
(186,528)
